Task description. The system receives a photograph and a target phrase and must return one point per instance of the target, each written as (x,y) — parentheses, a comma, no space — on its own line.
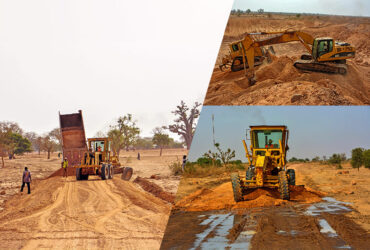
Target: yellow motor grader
(98,160)
(267,163)
(93,158)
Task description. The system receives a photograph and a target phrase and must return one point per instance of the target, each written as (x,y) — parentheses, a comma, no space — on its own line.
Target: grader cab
(267,163)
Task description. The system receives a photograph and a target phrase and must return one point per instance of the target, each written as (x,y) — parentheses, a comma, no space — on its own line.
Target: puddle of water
(330,205)
(326,228)
(292,232)
(215,236)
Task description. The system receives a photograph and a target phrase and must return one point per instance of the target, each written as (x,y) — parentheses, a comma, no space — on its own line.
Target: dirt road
(312,219)
(65,214)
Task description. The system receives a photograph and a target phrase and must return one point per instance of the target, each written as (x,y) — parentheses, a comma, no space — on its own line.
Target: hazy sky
(336,7)
(313,130)
(108,58)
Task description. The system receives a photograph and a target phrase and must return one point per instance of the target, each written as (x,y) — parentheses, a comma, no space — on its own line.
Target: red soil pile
(70,172)
(221,198)
(154,189)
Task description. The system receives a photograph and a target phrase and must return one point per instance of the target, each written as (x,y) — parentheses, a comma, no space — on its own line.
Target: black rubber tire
(126,173)
(283,186)
(85,177)
(111,171)
(250,173)
(237,190)
(78,174)
(104,172)
(291,175)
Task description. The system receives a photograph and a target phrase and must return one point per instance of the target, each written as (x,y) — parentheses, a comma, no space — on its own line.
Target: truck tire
(126,173)
(85,177)
(283,186)
(291,175)
(78,174)
(237,190)
(104,172)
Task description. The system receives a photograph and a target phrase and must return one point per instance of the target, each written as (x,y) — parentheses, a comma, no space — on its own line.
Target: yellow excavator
(325,54)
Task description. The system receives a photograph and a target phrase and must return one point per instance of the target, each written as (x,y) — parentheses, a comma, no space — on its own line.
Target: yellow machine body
(249,52)
(268,155)
(99,152)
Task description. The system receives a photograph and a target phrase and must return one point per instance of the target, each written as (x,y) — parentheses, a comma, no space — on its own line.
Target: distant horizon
(360,8)
(314,130)
(302,13)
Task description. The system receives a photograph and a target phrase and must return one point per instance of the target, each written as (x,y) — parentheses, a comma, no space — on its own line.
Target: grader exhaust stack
(267,163)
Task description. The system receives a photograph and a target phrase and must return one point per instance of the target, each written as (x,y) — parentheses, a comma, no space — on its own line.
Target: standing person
(138,156)
(183,163)
(65,166)
(26,178)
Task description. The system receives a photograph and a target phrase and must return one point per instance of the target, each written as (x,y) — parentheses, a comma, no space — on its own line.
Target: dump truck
(95,157)
(324,53)
(267,163)
(73,137)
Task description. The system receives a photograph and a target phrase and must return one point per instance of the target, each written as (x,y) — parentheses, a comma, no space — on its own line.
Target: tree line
(125,135)
(359,157)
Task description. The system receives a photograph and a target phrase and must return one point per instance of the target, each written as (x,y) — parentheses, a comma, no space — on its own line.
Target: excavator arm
(248,44)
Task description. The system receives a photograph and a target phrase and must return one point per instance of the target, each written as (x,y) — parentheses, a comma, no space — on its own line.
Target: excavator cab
(322,46)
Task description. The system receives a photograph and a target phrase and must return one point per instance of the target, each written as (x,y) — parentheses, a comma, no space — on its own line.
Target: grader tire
(111,172)
(78,174)
(283,186)
(104,172)
(291,174)
(237,190)
(126,173)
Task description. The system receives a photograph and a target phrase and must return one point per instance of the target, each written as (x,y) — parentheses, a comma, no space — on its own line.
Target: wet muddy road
(299,226)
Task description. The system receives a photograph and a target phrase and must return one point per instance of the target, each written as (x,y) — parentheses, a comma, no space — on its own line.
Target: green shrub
(176,168)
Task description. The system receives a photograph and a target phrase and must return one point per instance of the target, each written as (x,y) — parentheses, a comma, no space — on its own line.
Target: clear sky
(313,130)
(108,58)
(336,7)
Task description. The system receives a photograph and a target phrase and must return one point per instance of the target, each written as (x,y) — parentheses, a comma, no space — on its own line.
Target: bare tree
(56,135)
(49,143)
(13,127)
(224,156)
(185,123)
(2,146)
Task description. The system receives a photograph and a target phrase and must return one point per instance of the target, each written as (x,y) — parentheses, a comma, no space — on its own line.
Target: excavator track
(311,65)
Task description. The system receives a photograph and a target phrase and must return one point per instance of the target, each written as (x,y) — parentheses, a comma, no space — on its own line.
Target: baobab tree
(185,122)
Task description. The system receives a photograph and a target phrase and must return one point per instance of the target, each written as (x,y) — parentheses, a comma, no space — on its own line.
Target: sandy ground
(279,82)
(347,184)
(328,209)
(68,214)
